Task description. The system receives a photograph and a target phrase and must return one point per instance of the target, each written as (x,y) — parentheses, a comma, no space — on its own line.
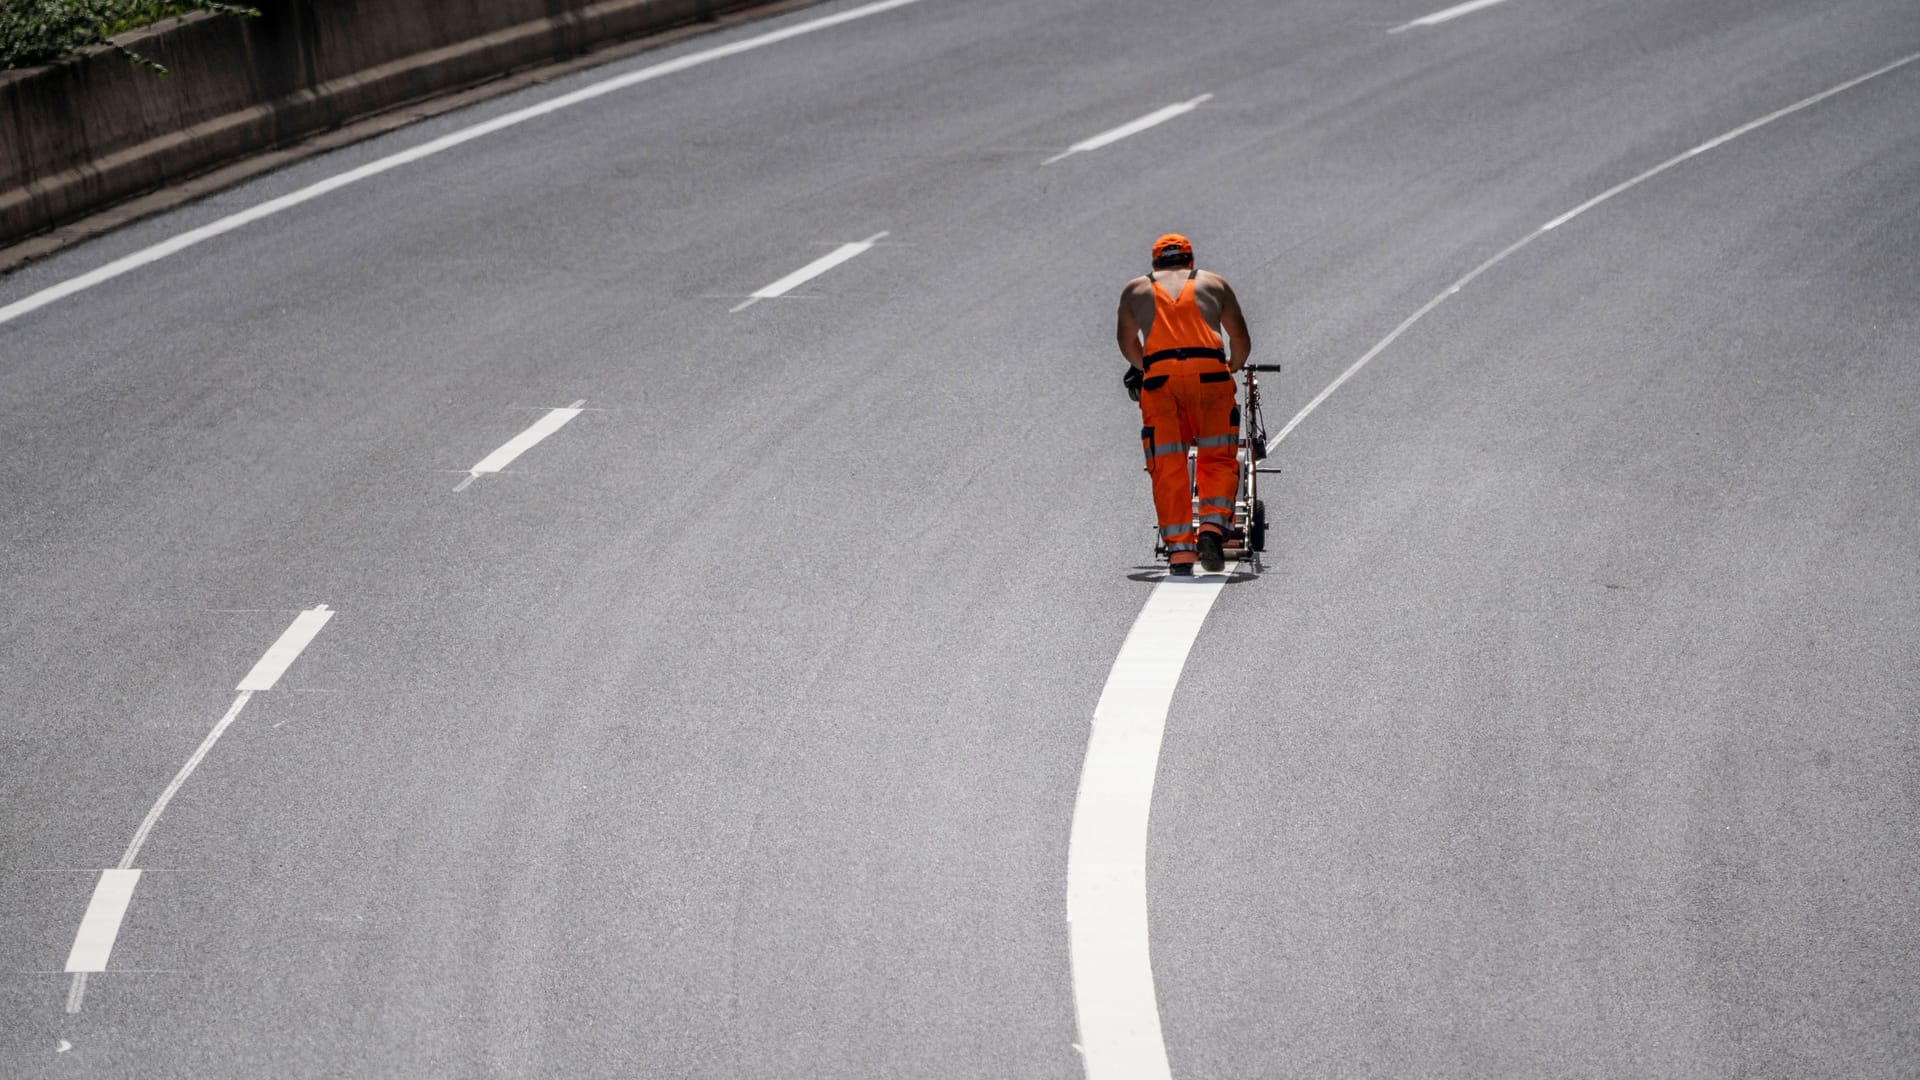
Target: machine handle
(1261,367)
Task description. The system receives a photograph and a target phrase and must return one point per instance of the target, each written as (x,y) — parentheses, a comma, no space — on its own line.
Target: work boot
(1211,556)
(1180,569)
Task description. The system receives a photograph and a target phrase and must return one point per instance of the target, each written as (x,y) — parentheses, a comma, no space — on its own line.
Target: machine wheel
(1257,526)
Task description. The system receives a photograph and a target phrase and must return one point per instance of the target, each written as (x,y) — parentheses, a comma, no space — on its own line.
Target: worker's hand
(1131,380)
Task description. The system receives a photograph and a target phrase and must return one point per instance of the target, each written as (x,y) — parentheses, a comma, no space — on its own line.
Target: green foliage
(36,31)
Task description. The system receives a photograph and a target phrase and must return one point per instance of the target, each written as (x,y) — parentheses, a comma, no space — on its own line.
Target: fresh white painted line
(810,271)
(445,142)
(281,655)
(101,924)
(1624,185)
(526,440)
(266,672)
(1135,127)
(1113,994)
(1439,17)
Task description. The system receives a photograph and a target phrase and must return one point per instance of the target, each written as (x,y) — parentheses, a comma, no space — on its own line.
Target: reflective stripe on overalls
(1187,400)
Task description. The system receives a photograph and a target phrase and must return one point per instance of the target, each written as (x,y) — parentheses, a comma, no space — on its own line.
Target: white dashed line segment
(281,655)
(1135,127)
(1113,995)
(521,443)
(427,149)
(1451,13)
(101,924)
(810,271)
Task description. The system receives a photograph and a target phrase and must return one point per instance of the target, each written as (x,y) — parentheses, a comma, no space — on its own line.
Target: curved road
(734,728)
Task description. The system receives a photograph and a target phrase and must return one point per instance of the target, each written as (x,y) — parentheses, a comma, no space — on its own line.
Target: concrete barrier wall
(85,132)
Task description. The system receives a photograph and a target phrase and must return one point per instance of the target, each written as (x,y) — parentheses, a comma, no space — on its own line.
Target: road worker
(1170,331)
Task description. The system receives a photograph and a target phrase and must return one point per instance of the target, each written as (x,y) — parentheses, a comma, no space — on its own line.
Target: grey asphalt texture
(734,730)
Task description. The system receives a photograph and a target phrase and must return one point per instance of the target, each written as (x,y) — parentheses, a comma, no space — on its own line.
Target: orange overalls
(1186,400)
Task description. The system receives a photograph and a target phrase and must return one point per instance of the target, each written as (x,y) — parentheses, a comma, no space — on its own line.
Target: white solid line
(1439,17)
(1624,185)
(282,653)
(445,142)
(1113,993)
(101,924)
(521,443)
(1135,127)
(810,271)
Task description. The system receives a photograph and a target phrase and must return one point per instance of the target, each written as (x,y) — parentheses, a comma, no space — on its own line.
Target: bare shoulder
(1136,287)
(1209,280)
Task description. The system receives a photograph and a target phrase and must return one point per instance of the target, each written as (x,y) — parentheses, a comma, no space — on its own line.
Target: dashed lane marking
(810,271)
(1132,127)
(1451,13)
(521,443)
(101,924)
(282,653)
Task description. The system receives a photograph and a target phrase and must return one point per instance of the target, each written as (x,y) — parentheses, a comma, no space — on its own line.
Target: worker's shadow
(1157,573)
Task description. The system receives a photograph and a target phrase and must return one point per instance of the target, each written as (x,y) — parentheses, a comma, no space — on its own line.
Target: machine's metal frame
(1248,536)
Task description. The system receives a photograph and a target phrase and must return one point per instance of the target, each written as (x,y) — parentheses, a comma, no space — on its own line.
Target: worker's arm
(1128,333)
(1234,322)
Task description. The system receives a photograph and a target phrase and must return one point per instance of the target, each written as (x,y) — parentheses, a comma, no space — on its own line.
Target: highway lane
(691,742)
(1591,751)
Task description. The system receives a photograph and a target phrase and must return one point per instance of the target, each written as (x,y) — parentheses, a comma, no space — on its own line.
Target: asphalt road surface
(733,729)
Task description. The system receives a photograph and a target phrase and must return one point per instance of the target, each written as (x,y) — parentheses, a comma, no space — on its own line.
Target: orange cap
(1172,244)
